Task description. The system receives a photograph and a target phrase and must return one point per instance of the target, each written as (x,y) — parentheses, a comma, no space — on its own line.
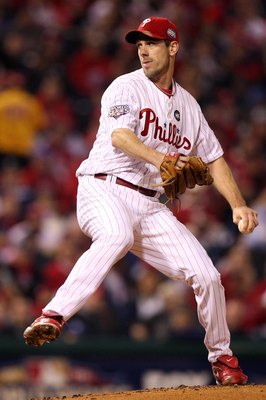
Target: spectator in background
(246,294)
(21,118)
(54,100)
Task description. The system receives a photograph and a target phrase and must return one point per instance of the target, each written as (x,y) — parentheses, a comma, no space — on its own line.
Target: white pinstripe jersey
(165,123)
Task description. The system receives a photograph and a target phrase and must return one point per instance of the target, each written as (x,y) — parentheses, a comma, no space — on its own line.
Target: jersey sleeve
(120,107)
(207,146)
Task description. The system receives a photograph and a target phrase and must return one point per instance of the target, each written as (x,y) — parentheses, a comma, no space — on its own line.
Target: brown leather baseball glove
(176,180)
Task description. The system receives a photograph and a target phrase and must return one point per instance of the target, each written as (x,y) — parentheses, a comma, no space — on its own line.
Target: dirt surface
(248,392)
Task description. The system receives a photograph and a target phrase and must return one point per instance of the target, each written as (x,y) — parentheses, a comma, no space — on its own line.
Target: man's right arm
(126,141)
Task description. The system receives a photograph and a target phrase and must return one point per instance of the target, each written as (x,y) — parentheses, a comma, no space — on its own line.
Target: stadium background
(139,329)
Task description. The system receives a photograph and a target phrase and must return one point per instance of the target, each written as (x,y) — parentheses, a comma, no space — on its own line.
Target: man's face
(154,57)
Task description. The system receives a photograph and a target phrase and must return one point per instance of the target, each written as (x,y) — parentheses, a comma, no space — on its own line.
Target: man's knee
(210,280)
(123,240)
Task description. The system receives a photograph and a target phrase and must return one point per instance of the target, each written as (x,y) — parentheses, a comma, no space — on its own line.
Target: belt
(119,181)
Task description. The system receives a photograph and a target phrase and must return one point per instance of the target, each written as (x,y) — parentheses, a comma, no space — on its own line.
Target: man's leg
(166,244)
(108,221)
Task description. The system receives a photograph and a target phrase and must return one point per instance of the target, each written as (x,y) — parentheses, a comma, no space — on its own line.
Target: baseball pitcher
(152,139)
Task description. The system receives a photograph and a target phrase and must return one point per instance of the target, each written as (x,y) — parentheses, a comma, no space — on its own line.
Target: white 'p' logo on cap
(145,22)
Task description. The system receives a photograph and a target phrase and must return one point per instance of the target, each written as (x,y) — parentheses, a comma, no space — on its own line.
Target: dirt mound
(248,392)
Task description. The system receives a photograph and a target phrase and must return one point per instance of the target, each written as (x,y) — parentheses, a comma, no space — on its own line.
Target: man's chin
(150,74)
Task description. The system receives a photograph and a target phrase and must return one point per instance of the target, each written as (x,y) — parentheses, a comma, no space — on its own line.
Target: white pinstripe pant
(119,220)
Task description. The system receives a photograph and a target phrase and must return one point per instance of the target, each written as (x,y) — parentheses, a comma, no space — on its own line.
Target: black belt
(119,181)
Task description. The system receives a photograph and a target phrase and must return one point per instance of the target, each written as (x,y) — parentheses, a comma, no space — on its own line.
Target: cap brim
(133,36)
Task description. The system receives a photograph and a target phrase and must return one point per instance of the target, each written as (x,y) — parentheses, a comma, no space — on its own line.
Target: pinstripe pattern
(139,93)
(120,220)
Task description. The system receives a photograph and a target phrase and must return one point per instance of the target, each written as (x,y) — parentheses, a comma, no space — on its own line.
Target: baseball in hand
(240,227)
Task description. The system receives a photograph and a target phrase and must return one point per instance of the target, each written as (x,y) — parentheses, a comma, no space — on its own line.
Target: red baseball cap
(154,27)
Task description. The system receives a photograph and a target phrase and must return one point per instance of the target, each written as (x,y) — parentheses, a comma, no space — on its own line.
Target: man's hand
(248,216)
(180,172)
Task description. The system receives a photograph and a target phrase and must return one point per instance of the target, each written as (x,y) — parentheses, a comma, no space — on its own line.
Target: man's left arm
(225,183)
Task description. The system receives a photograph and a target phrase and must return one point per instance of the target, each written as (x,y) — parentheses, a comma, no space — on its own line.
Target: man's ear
(173,48)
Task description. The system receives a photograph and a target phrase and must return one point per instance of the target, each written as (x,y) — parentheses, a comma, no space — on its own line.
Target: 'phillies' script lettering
(170,135)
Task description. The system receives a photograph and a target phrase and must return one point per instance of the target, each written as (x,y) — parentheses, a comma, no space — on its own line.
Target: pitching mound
(248,392)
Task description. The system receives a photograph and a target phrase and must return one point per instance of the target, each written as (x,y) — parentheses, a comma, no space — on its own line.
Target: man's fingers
(246,219)
(182,160)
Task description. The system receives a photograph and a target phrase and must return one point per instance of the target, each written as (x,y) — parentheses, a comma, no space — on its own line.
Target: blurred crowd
(56,59)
